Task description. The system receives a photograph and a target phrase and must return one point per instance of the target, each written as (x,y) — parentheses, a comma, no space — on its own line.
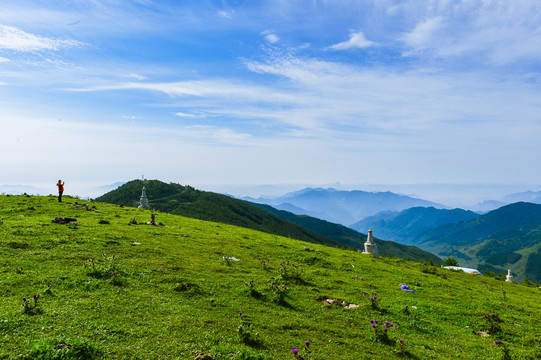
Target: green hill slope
(506,238)
(407,225)
(352,238)
(111,287)
(187,201)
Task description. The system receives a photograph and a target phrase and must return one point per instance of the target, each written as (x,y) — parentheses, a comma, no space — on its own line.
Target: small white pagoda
(509,276)
(144,200)
(370,247)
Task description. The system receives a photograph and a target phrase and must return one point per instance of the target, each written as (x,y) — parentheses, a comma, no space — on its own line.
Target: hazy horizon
(451,195)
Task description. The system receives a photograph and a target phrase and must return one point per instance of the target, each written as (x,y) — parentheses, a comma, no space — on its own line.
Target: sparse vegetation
(450,261)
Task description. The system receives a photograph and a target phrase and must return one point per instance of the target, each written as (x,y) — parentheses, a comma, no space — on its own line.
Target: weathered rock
(337,302)
(199,355)
(63,220)
(482,333)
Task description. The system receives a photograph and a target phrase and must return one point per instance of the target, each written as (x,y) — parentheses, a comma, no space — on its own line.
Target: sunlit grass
(166,292)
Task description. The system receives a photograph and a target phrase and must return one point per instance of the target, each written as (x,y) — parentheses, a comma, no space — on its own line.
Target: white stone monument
(370,247)
(509,276)
(144,200)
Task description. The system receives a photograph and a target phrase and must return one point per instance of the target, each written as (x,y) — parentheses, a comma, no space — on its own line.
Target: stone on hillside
(344,304)
(63,220)
(199,355)
(482,333)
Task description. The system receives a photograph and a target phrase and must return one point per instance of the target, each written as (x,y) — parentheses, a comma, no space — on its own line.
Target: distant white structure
(509,276)
(466,270)
(370,247)
(144,200)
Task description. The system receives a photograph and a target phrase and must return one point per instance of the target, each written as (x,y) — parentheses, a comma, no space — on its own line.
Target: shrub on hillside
(450,261)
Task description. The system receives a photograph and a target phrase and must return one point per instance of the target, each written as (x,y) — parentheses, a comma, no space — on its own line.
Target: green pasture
(112,287)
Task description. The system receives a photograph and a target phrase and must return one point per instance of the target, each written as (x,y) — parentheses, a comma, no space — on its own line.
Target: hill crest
(190,202)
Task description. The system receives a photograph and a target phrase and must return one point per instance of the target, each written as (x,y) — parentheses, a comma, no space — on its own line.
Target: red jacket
(60,186)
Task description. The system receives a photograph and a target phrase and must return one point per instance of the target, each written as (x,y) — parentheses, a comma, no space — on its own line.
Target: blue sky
(229,95)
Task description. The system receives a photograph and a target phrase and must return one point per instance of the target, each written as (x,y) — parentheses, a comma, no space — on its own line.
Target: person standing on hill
(60,185)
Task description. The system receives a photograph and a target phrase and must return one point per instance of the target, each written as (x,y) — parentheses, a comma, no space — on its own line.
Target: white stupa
(509,276)
(144,200)
(370,247)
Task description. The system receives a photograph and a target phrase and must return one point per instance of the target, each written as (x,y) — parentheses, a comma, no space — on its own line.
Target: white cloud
(356,40)
(422,36)
(227,14)
(12,38)
(220,88)
(3,60)
(270,36)
(137,76)
(181,114)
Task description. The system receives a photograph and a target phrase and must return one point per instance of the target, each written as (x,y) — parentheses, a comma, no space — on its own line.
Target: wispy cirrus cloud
(136,76)
(313,98)
(233,90)
(12,38)
(422,36)
(185,115)
(337,99)
(498,32)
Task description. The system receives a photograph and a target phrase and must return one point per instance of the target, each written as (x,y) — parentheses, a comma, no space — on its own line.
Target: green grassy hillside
(188,201)
(112,287)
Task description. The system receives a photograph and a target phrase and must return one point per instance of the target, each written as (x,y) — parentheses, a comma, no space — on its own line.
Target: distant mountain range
(533,197)
(190,202)
(20,189)
(408,225)
(527,196)
(342,207)
(505,238)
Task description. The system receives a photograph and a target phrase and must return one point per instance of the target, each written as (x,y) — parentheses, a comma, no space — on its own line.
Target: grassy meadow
(112,287)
